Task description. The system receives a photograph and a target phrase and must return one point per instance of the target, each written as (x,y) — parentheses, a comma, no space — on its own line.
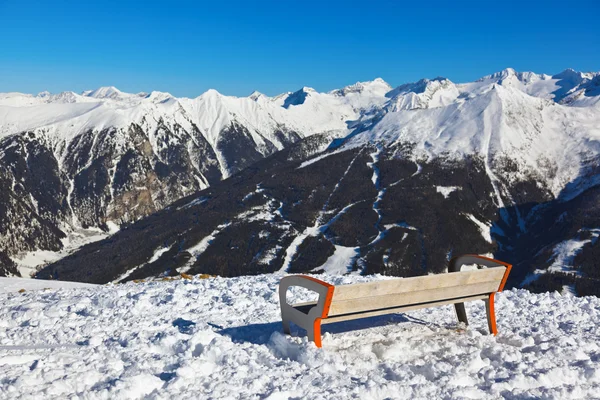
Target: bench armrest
(310,321)
(324,289)
(458,262)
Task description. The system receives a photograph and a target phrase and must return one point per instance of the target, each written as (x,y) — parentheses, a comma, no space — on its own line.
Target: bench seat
(362,300)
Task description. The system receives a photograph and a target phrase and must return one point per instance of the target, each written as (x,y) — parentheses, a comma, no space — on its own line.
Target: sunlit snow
(221,338)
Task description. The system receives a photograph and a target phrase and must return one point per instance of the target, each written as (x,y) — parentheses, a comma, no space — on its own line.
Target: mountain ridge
(523,149)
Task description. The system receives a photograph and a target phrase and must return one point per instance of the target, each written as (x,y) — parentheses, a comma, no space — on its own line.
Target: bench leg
(314,332)
(286,327)
(491,314)
(461,313)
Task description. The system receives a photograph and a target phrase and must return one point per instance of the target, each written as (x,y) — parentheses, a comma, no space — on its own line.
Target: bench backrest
(420,289)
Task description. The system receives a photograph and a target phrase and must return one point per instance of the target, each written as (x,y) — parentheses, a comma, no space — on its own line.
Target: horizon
(297,89)
(189,47)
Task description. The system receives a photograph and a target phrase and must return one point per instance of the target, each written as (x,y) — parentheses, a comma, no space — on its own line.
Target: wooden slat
(417,283)
(308,303)
(346,317)
(411,297)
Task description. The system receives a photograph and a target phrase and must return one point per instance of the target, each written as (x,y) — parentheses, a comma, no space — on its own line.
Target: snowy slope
(65,115)
(505,116)
(221,338)
(12,285)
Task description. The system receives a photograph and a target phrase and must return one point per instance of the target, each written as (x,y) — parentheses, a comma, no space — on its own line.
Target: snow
(61,117)
(548,125)
(564,253)
(221,338)
(320,225)
(484,228)
(193,203)
(155,256)
(29,262)
(446,190)
(494,121)
(341,260)
(544,122)
(12,285)
(318,158)
(292,249)
(563,256)
(201,247)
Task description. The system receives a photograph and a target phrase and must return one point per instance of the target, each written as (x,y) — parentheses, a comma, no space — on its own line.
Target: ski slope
(221,338)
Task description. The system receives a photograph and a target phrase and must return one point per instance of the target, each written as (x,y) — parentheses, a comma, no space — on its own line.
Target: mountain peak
(158,97)
(508,71)
(298,97)
(421,86)
(376,85)
(570,75)
(501,75)
(212,92)
(104,92)
(256,95)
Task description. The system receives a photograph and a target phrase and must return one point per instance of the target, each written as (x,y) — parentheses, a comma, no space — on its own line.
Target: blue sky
(187,47)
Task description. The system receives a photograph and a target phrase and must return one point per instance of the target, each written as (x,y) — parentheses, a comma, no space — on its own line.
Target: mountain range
(364,179)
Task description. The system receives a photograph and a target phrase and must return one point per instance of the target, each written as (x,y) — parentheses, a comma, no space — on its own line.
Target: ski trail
(311,231)
(293,247)
(377,182)
(318,226)
(157,253)
(418,171)
(337,185)
(201,247)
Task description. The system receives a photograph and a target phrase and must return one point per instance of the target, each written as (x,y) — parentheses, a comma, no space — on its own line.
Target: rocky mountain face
(365,179)
(507,166)
(105,159)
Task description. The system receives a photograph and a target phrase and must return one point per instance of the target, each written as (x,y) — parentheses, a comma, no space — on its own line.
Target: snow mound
(221,338)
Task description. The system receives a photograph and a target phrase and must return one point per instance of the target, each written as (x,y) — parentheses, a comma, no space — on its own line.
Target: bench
(362,300)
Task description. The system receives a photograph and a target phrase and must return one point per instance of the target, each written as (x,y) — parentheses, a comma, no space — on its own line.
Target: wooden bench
(362,300)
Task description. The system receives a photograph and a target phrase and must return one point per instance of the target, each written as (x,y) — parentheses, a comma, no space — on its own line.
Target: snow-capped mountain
(380,179)
(105,158)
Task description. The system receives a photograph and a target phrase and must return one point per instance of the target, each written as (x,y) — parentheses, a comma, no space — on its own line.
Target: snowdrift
(221,338)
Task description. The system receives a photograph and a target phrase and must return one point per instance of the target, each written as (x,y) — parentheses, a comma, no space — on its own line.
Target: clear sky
(187,47)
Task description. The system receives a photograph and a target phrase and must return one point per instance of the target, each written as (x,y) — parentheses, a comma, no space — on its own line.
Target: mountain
(507,165)
(222,338)
(71,165)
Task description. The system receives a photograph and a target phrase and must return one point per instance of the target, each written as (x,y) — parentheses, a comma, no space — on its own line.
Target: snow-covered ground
(29,262)
(14,285)
(221,338)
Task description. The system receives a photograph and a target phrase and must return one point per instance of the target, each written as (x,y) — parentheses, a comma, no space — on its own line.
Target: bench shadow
(252,333)
(261,333)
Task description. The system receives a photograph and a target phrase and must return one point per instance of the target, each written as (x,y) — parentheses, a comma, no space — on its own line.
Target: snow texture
(29,262)
(341,261)
(221,338)
(446,190)
(563,257)
(11,285)
(484,228)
